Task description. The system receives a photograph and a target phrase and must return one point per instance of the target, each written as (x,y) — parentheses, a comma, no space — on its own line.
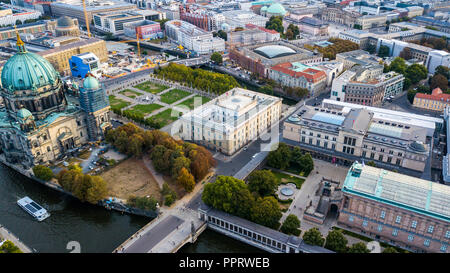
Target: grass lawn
(285,178)
(164,117)
(145,108)
(174,95)
(117,103)
(190,102)
(130,93)
(151,87)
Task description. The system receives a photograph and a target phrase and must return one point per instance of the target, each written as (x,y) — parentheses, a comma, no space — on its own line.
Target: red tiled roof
(437,95)
(310,74)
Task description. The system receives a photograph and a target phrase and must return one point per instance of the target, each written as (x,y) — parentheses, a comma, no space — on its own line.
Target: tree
(186,180)
(220,194)
(279,158)
(383,51)
(390,250)
(405,54)
(289,34)
(291,225)
(216,57)
(336,241)
(398,65)
(371,163)
(416,73)
(9,247)
(371,48)
(275,23)
(313,237)
(440,81)
(263,182)
(222,34)
(43,172)
(442,70)
(410,96)
(358,248)
(307,164)
(97,189)
(266,212)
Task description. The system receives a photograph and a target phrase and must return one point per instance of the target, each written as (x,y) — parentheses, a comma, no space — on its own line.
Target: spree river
(94,228)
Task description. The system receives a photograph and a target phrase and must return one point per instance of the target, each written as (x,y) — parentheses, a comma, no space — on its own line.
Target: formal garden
(151,87)
(130,93)
(190,103)
(174,95)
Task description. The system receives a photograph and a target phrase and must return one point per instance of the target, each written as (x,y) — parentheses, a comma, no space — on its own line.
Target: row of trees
(85,187)
(284,157)
(233,196)
(440,79)
(337,242)
(186,163)
(338,46)
(145,203)
(435,43)
(212,82)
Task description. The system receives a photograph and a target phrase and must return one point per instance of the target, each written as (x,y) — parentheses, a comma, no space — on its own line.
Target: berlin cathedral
(39,122)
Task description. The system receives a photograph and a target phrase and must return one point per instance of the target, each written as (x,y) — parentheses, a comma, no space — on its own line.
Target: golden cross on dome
(19,42)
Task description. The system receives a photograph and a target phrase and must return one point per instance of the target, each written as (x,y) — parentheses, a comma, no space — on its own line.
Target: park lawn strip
(145,108)
(151,87)
(117,103)
(174,95)
(164,118)
(190,102)
(130,93)
(285,179)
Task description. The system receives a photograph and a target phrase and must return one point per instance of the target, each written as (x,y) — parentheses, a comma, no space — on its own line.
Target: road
(148,240)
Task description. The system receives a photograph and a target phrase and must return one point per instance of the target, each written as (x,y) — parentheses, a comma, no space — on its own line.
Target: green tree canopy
(358,248)
(336,241)
(43,172)
(390,250)
(313,237)
(266,212)
(291,225)
(186,180)
(416,73)
(443,70)
(275,23)
(279,158)
(263,182)
(398,65)
(383,51)
(216,57)
(9,247)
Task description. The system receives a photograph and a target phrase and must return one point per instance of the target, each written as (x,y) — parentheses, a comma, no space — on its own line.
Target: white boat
(34,209)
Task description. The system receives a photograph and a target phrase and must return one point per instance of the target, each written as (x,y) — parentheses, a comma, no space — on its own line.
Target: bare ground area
(131,177)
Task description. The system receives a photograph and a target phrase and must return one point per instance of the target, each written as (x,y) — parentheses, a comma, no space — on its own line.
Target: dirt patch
(131,177)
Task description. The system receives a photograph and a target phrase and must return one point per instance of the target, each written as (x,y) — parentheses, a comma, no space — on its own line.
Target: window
(414,224)
(382,214)
(364,223)
(395,232)
(350,218)
(398,219)
(380,228)
(426,242)
(430,229)
(410,238)
(443,248)
(447,234)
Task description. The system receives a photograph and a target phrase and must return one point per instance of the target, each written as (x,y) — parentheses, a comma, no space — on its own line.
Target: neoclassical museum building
(39,124)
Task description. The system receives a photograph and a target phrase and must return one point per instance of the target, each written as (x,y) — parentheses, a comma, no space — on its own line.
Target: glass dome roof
(277,9)
(274,51)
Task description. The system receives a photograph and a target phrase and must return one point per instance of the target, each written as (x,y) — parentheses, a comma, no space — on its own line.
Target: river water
(94,228)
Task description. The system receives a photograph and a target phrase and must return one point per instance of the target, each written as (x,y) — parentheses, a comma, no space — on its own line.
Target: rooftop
(406,192)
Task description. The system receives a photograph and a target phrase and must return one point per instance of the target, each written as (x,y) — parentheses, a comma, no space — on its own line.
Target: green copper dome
(90,83)
(264,8)
(23,113)
(276,9)
(27,71)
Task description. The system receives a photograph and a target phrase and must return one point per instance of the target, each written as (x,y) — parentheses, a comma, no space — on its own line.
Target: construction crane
(86,18)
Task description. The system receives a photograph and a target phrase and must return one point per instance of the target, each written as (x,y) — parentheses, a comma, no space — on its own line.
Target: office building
(343,132)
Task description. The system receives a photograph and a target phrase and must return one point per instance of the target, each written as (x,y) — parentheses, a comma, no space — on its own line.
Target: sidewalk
(7,235)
